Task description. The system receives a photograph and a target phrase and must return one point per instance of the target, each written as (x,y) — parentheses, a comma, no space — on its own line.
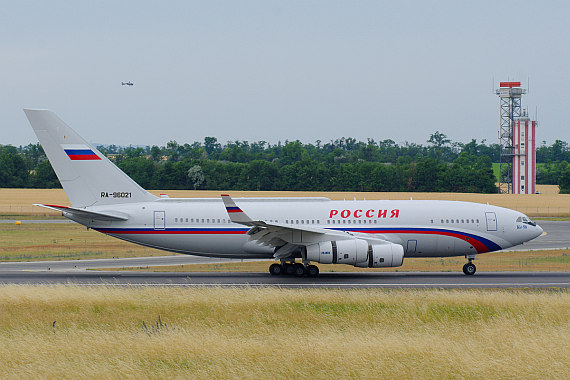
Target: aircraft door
(491,221)
(411,247)
(159,220)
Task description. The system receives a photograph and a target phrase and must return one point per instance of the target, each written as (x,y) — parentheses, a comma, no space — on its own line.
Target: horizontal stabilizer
(80,213)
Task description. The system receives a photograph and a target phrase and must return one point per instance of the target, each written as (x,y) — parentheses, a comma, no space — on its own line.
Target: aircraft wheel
(289,269)
(299,270)
(312,270)
(275,269)
(469,269)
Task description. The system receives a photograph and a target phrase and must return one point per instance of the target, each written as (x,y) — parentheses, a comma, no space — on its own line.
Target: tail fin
(87,176)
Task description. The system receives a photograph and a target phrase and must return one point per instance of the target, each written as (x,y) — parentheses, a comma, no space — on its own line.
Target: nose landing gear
(470,268)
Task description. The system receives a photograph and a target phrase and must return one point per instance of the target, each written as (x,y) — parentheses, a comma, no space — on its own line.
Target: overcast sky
(277,70)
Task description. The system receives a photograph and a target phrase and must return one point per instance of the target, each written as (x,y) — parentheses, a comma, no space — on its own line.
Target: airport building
(524,155)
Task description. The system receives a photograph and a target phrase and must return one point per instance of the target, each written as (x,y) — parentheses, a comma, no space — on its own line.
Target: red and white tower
(524,155)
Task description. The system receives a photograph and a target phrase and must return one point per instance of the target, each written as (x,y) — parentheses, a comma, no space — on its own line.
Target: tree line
(341,165)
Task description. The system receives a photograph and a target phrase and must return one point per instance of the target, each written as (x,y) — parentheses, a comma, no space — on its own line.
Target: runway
(77,272)
(132,262)
(325,280)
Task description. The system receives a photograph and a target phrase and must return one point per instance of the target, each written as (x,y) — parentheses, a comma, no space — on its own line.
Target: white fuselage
(424,228)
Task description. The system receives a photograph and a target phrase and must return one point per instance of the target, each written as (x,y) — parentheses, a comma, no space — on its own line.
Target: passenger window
(176,219)
(451,220)
(462,221)
(447,221)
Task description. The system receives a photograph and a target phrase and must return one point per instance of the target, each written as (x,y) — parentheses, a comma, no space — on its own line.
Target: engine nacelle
(356,252)
(349,252)
(384,256)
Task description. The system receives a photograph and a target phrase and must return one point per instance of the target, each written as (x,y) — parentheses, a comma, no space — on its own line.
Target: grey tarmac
(325,280)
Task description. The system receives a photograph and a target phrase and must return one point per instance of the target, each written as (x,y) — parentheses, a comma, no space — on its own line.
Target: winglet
(234,212)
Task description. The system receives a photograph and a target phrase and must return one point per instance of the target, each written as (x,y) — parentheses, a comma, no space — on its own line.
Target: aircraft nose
(538,231)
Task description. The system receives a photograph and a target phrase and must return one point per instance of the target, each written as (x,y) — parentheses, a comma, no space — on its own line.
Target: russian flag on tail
(234,212)
(80,152)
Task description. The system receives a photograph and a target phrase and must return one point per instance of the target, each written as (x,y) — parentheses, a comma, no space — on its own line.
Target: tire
(289,269)
(312,271)
(299,270)
(469,269)
(275,269)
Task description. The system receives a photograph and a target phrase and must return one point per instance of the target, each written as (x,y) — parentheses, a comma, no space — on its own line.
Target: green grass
(495,166)
(63,241)
(496,170)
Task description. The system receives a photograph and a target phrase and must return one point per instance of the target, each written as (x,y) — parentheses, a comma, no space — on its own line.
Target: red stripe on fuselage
(479,246)
(170,232)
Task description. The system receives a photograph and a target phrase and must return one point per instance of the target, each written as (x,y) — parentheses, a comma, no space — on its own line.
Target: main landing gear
(296,269)
(469,268)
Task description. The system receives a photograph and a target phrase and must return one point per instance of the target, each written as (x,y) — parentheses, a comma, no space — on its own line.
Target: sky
(281,70)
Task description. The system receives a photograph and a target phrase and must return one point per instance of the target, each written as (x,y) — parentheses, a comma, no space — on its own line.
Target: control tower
(510,94)
(524,155)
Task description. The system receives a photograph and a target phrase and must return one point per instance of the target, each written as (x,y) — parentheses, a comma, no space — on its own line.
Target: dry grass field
(548,203)
(67,332)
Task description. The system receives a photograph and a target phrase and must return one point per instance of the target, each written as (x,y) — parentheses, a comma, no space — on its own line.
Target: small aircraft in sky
(294,231)
(126,83)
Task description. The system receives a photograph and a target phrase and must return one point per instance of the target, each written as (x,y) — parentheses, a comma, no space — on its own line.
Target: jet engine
(356,252)
(384,256)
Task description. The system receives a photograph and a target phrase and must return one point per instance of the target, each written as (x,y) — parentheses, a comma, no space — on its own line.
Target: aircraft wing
(105,216)
(286,238)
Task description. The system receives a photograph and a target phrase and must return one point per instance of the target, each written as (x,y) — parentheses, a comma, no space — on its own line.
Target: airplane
(294,231)
(126,83)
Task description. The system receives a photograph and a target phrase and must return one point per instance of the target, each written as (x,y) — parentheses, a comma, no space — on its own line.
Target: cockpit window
(519,219)
(526,220)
